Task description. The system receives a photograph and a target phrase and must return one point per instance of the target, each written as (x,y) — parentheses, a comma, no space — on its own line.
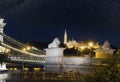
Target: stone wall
(81,65)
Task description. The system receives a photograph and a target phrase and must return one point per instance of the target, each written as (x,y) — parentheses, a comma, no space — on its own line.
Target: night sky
(43,20)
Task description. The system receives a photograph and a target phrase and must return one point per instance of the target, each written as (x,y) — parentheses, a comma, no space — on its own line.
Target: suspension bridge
(19,52)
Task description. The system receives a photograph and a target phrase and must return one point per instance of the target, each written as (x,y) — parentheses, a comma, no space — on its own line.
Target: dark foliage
(108,73)
(4,58)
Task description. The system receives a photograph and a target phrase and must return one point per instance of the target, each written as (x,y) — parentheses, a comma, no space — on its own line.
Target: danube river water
(39,76)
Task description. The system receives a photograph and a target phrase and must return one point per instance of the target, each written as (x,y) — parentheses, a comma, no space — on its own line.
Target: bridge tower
(2,24)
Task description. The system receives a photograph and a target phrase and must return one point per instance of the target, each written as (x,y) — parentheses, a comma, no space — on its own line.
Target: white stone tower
(65,37)
(2,24)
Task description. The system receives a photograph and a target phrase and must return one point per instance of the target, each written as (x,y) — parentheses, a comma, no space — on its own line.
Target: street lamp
(28,48)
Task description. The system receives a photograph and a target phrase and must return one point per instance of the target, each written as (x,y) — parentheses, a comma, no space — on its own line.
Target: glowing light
(28,48)
(3,49)
(36,69)
(15,68)
(83,47)
(7,50)
(26,69)
(90,44)
(24,49)
(10,68)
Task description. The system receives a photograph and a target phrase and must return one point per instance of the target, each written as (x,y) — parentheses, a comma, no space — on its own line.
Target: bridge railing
(39,59)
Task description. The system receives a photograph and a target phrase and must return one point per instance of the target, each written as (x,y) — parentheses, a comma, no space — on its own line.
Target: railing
(38,59)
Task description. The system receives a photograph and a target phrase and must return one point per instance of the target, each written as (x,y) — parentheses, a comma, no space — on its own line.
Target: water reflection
(3,76)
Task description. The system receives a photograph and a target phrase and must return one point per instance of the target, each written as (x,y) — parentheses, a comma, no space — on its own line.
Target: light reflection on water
(7,75)
(3,77)
(25,81)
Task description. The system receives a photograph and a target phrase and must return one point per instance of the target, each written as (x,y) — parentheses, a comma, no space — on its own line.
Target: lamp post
(28,48)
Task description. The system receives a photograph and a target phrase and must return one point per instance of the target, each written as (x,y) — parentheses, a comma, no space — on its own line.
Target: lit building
(104,51)
(82,45)
(71,44)
(79,45)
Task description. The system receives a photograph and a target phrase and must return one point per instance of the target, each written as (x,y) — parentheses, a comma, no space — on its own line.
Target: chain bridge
(19,52)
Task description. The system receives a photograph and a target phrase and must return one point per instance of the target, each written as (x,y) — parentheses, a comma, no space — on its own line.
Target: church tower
(65,37)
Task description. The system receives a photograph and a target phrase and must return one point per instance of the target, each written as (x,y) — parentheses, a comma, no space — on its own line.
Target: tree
(4,58)
(108,73)
(71,52)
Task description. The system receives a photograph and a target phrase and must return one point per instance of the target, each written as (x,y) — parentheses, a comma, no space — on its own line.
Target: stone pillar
(54,56)
(53,61)
(1,29)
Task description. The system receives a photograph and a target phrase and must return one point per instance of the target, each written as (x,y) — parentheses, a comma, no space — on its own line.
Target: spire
(65,37)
